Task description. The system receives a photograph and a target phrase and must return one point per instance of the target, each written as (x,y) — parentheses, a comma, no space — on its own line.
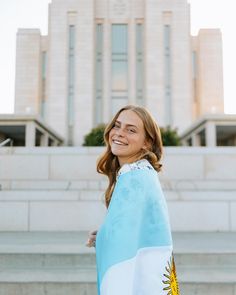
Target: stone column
(196,139)
(211,134)
(234,140)
(132,62)
(107,71)
(44,139)
(30,134)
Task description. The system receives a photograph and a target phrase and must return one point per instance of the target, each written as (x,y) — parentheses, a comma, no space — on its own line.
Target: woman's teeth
(118,142)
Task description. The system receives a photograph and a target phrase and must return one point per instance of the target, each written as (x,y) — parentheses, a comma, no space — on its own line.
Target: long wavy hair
(108,163)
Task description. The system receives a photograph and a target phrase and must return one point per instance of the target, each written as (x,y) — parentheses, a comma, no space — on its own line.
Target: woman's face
(127,137)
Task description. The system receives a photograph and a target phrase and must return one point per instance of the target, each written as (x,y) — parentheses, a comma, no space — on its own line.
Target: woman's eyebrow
(128,125)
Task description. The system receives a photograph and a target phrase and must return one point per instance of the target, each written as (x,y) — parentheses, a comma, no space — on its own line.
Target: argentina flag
(134,245)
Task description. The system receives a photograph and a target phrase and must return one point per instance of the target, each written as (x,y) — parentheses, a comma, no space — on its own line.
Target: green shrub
(95,136)
(170,136)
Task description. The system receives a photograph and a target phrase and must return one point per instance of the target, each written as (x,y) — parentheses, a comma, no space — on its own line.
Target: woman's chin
(117,152)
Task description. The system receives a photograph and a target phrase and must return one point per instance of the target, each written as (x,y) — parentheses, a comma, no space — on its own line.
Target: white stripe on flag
(142,274)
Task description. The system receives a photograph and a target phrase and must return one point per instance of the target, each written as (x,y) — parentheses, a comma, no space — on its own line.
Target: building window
(99,75)
(119,67)
(43,81)
(71,78)
(139,65)
(167,74)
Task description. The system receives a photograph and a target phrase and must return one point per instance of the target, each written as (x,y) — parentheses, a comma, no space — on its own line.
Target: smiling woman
(134,244)
(127,137)
(135,128)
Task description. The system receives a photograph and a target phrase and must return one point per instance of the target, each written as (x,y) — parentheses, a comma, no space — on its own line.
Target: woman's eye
(116,126)
(131,130)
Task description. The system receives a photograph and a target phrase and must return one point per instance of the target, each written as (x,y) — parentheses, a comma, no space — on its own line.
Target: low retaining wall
(58,189)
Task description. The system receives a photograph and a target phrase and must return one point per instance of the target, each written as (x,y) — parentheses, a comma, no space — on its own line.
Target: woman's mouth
(118,142)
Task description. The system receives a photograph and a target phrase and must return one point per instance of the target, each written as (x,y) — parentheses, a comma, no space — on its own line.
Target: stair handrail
(6,141)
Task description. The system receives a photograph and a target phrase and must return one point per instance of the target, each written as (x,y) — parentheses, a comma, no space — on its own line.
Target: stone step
(98,195)
(192,281)
(186,275)
(74,242)
(48,288)
(56,275)
(207,275)
(54,185)
(101,184)
(51,195)
(87,260)
(90,289)
(47,261)
(207,289)
(56,263)
(67,250)
(44,242)
(204,242)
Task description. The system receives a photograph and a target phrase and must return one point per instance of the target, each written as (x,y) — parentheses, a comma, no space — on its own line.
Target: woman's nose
(120,132)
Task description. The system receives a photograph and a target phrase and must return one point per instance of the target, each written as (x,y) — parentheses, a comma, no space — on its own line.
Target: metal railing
(6,141)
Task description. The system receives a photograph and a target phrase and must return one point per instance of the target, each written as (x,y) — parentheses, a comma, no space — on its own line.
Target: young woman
(134,244)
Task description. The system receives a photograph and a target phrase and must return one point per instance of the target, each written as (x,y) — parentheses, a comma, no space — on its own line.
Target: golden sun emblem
(172,284)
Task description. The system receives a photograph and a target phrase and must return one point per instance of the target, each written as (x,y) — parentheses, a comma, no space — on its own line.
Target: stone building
(102,54)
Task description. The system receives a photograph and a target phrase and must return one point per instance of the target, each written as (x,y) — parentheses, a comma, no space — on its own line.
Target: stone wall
(58,189)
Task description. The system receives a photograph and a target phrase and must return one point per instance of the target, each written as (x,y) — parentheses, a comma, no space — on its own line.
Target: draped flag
(134,244)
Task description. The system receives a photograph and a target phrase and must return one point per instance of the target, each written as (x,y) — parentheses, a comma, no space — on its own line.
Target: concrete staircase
(58,263)
(52,263)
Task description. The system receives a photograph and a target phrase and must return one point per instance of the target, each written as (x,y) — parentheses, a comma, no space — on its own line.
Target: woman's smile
(127,137)
(118,142)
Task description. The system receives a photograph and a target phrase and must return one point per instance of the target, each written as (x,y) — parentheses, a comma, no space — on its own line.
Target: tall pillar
(196,139)
(44,139)
(211,134)
(132,62)
(107,71)
(30,134)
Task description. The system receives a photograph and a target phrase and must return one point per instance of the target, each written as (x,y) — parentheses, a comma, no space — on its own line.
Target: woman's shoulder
(142,164)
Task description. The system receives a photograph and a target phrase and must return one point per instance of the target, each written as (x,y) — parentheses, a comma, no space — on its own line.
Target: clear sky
(16,14)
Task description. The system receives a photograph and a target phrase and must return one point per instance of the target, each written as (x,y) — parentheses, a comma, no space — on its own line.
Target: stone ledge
(73,242)
(207,275)
(45,195)
(101,184)
(48,275)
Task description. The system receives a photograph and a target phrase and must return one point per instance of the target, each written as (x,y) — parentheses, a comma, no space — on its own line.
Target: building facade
(100,55)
